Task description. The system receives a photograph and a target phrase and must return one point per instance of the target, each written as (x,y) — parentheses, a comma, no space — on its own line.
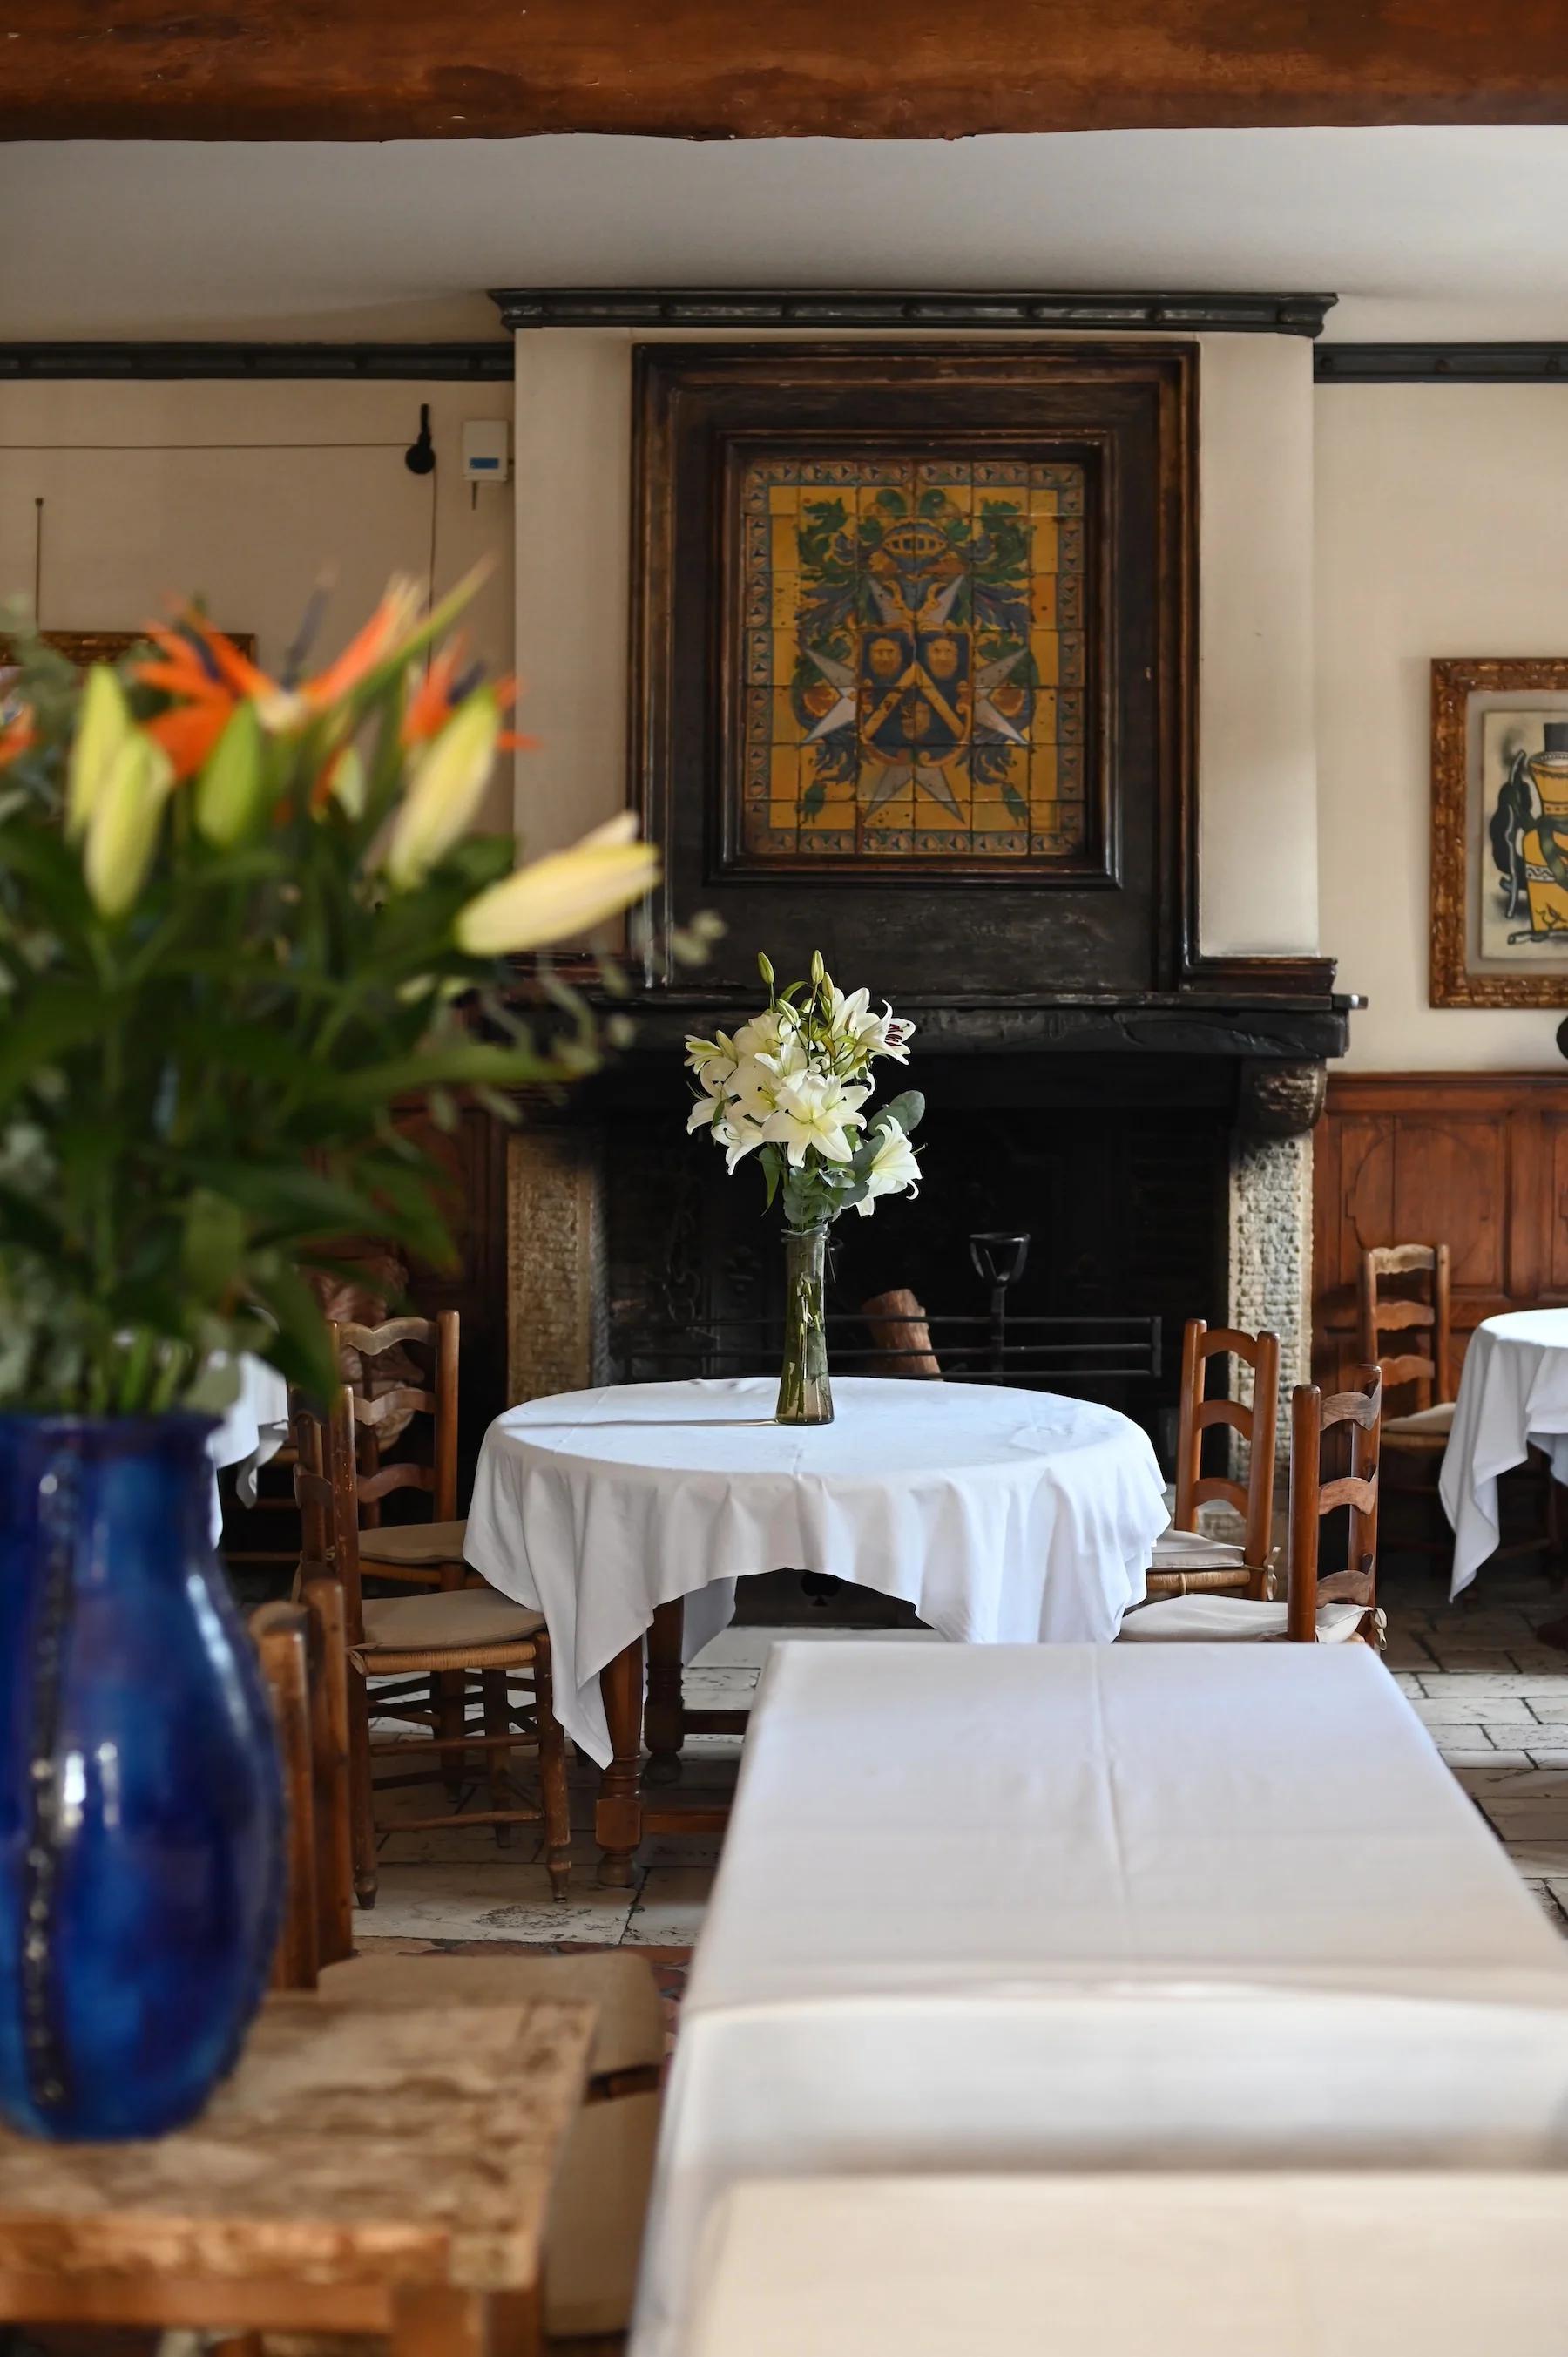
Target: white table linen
(1090,1907)
(1353,2265)
(1002,1516)
(254,1427)
(1513,1391)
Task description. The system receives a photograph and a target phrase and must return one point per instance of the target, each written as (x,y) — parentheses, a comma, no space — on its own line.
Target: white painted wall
(245,494)
(1257,764)
(1442,522)
(1255,708)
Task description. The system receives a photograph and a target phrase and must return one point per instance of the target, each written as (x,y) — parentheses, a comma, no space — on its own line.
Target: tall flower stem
(805,1395)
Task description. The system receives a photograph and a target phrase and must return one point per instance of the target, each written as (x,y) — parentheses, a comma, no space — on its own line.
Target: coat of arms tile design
(914,660)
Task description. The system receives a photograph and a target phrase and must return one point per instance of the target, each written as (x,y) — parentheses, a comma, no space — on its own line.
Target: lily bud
(765,968)
(122,831)
(568,892)
(818,969)
(231,793)
(347,783)
(102,725)
(446,790)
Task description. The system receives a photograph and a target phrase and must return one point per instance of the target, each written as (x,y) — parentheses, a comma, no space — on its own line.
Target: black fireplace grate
(1031,1352)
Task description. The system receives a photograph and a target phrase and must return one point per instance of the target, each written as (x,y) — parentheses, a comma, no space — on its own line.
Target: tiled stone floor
(1494,1697)
(1495,1700)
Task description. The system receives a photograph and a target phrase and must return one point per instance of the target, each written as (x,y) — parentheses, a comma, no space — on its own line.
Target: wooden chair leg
(498,1722)
(552,1794)
(664,1720)
(449,1705)
(360,1802)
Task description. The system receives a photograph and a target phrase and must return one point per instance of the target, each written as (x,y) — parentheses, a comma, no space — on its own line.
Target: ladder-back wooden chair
(600,2199)
(1186,1561)
(1403,1292)
(461,1634)
(1318,1609)
(393,1395)
(1423,1315)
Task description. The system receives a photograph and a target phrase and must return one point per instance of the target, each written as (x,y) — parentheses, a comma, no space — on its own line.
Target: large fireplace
(1151,1187)
(1099,1079)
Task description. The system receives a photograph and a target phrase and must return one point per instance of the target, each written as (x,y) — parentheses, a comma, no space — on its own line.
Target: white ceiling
(1442,233)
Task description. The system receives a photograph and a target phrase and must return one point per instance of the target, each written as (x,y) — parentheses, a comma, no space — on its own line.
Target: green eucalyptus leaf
(907,1111)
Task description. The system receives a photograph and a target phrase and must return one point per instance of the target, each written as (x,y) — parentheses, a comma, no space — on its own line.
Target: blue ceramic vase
(140,1806)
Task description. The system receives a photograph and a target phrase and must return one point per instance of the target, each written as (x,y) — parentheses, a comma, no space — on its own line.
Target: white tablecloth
(1056,1906)
(1002,1516)
(1514,1390)
(1421,2265)
(253,1428)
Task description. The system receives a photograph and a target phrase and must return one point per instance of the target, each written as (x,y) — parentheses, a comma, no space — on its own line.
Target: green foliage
(200,1075)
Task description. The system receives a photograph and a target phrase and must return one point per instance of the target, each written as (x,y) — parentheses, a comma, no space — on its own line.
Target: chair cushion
(412,1542)
(628,2033)
(445,1617)
(1211,1620)
(1192,1551)
(1429,1427)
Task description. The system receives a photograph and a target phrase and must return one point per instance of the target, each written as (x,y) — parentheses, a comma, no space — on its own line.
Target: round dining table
(1002,1516)
(250,1430)
(1513,1396)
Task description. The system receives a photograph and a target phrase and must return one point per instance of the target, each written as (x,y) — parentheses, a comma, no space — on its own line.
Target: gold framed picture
(1500,831)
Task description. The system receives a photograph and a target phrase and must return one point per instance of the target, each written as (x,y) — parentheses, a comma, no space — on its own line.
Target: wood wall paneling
(1476,1161)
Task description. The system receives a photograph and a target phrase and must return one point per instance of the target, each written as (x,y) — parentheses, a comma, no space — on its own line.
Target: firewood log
(897,1324)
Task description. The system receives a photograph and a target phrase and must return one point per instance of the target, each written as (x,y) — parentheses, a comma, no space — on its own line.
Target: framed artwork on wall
(913,622)
(1499,831)
(84,647)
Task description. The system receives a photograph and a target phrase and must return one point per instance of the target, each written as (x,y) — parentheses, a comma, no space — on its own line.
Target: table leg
(433,2320)
(664,1719)
(618,1820)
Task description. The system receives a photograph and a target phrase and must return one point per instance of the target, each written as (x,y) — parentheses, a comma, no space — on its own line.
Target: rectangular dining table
(1099,1907)
(364,2171)
(1339,2263)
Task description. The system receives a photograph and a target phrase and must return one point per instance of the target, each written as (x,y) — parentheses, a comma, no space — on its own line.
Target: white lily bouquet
(792,1086)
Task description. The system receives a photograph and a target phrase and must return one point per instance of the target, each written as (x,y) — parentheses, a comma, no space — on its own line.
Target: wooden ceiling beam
(364,70)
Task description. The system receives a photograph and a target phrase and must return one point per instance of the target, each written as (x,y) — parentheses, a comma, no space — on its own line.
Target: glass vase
(140,1806)
(805,1395)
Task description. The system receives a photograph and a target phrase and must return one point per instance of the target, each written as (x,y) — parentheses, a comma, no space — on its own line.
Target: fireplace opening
(1115,1170)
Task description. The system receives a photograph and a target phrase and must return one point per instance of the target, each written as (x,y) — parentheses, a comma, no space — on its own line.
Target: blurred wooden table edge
(362,2171)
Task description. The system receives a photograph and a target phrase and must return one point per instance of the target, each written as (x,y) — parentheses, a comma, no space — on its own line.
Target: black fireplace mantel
(1187,1023)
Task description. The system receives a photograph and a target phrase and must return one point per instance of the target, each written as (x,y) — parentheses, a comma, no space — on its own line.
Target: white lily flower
(758,1086)
(739,1139)
(853,1021)
(714,1062)
(894,1169)
(817,1111)
(773,1032)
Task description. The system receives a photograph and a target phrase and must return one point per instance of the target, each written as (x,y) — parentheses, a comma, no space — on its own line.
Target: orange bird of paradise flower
(448,679)
(16,736)
(209,676)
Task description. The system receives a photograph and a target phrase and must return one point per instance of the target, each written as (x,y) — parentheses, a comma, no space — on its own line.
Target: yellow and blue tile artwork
(914,660)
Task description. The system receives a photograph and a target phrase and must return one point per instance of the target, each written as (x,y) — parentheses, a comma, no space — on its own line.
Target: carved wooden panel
(1476,1160)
